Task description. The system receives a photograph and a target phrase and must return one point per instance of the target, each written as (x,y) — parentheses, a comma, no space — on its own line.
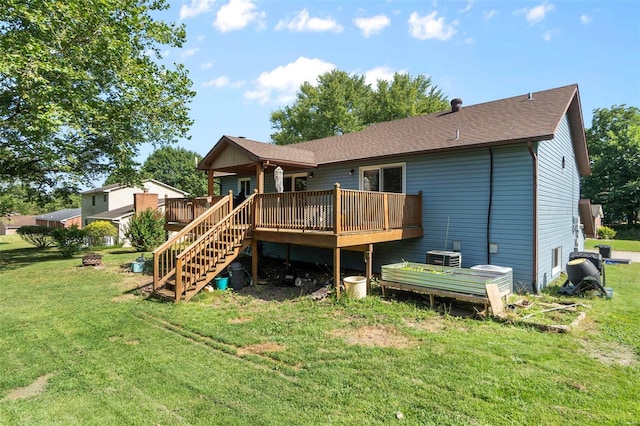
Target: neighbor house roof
(60,215)
(117,186)
(521,119)
(120,213)
(16,221)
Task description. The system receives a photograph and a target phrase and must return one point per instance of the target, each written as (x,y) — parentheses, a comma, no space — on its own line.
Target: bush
(146,230)
(39,236)
(606,233)
(69,240)
(98,230)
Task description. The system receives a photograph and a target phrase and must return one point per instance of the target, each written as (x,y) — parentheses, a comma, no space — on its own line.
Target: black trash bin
(236,276)
(605,251)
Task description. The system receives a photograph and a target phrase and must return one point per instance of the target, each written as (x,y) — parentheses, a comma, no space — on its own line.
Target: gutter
(534,157)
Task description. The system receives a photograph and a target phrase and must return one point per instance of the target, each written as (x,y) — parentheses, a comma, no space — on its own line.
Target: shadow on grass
(21,257)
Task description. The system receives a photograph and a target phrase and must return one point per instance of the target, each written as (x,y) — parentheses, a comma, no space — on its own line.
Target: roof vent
(456,104)
(530,98)
(242,137)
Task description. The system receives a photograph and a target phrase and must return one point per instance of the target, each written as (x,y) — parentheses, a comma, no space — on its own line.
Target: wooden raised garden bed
(459,283)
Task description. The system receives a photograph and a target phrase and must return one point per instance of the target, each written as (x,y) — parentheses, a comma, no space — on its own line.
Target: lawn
(622,245)
(78,346)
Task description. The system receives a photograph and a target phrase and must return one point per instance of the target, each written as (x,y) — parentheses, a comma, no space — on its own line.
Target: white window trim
(557,268)
(240,180)
(293,176)
(362,169)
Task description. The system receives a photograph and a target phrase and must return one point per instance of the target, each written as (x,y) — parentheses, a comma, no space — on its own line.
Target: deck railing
(164,257)
(202,256)
(338,211)
(186,210)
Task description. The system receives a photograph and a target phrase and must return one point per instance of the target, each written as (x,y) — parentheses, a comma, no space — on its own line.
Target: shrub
(39,236)
(69,240)
(98,230)
(146,230)
(606,233)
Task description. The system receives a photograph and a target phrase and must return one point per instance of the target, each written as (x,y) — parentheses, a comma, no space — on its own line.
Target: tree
(81,90)
(146,230)
(614,147)
(341,103)
(17,198)
(39,236)
(176,167)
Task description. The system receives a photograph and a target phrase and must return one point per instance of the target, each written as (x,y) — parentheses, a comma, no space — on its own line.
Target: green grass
(621,245)
(229,359)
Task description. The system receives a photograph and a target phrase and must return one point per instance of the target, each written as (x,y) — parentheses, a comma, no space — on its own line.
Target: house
(591,216)
(9,225)
(498,181)
(118,203)
(64,218)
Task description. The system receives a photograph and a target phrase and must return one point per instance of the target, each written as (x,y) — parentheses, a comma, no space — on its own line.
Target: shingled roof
(520,119)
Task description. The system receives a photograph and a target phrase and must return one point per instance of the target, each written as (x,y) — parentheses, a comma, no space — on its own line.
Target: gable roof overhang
(240,156)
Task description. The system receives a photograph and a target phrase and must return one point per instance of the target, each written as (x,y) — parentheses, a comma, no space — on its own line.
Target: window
(556,260)
(93,200)
(244,186)
(104,198)
(385,178)
(294,183)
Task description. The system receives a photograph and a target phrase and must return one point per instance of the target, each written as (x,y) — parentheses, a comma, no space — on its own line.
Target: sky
(247,58)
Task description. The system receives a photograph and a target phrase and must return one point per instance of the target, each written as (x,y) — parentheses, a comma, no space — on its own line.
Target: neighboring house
(117,203)
(500,181)
(64,218)
(9,225)
(591,216)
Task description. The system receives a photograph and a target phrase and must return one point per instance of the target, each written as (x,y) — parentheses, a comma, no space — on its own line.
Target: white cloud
(488,14)
(537,13)
(429,27)
(282,83)
(585,19)
(379,73)
(303,22)
(197,7)
(237,14)
(372,25)
(207,65)
(222,82)
(188,52)
(468,8)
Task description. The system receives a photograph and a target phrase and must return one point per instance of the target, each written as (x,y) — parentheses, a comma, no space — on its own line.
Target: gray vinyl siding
(558,197)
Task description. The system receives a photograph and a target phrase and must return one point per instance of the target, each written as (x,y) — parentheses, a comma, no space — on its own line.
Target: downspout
(489,208)
(534,157)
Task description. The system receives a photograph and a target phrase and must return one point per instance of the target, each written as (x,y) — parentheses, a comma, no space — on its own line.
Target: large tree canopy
(177,167)
(614,147)
(80,89)
(341,103)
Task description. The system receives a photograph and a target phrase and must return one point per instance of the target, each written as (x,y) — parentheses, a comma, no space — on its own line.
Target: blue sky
(247,58)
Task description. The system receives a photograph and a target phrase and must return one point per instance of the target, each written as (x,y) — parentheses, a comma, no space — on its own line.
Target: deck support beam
(368,260)
(336,270)
(210,185)
(254,261)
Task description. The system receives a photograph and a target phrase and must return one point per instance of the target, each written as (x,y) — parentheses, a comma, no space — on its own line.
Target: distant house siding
(558,198)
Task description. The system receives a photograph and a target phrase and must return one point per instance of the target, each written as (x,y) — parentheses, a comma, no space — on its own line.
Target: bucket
(221,282)
(356,286)
(609,292)
(137,267)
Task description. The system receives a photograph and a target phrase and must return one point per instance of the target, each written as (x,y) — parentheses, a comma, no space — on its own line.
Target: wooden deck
(335,219)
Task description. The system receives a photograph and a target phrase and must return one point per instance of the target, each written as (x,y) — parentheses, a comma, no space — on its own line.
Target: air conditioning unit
(444,258)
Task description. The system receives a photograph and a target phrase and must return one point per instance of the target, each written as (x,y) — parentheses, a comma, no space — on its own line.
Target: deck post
(254,261)
(210,186)
(178,279)
(368,258)
(337,224)
(260,178)
(336,270)
(230,201)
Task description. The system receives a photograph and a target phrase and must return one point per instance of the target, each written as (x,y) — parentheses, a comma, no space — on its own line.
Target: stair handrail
(202,241)
(227,200)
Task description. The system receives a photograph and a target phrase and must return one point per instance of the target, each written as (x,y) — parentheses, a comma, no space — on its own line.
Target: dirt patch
(432,325)
(124,297)
(240,320)
(374,336)
(33,389)
(611,353)
(260,348)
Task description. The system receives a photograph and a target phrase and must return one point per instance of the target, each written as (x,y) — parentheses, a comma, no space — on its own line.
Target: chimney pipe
(456,104)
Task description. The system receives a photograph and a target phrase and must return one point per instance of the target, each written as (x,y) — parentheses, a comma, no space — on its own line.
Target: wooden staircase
(192,258)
